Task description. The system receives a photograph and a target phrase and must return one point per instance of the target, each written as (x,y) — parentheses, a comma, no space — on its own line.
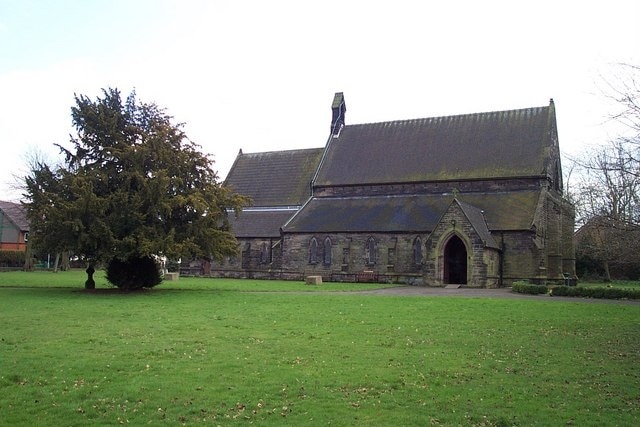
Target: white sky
(260,75)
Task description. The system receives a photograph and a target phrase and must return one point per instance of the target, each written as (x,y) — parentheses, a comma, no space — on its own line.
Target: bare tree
(606,191)
(606,197)
(607,184)
(624,91)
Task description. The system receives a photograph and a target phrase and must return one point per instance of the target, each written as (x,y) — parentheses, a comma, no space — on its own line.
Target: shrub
(595,292)
(564,291)
(523,287)
(133,273)
(11,258)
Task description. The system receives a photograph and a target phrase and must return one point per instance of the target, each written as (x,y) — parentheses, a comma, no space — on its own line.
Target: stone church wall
(385,257)
(258,258)
(428,188)
(542,254)
(391,257)
(568,251)
(545,253)
(521,259)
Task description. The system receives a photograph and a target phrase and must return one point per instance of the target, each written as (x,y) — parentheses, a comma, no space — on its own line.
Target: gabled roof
(506,211)
(276,178)
(259,223)
(16,214)
(479,223)
(502,144)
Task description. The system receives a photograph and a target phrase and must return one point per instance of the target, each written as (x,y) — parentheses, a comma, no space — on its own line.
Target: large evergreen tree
(132,186)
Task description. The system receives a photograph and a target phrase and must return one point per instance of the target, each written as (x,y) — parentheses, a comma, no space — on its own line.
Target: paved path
(424,291)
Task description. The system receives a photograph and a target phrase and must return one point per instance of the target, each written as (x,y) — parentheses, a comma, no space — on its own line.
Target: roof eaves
(479,223)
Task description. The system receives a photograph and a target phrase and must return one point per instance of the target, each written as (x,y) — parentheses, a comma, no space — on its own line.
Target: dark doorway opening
(455,262)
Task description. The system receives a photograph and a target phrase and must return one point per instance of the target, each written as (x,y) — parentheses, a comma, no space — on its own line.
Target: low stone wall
(399,278)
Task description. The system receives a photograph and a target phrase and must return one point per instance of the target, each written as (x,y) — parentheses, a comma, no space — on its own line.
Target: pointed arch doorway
(455,262)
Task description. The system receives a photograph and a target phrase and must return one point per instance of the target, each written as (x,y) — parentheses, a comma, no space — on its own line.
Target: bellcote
(338,109)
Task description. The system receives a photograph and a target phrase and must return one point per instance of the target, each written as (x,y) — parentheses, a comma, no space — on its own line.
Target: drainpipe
(1,227)
(501,261)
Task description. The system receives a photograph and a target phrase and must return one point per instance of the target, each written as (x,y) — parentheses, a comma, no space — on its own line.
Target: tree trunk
(55,263)
(607,274)
(64,262)
(28,258)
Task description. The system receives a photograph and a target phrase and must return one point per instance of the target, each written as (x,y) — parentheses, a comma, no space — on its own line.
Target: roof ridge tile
(460,116)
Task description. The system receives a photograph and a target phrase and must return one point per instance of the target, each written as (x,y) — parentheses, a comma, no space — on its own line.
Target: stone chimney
(338,108)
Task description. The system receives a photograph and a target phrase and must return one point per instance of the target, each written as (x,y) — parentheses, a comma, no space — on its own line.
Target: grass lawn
(76,278)
(217,355)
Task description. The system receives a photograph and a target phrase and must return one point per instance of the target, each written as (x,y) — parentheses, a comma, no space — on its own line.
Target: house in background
(473,199)
(14,227)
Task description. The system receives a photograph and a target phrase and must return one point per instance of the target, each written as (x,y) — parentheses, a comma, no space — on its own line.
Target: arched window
(264,253)
(370,251)
(246,256)
(326,252)
(417,250)
(313,251)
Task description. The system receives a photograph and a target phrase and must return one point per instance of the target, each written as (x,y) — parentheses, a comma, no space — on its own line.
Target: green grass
(76,279)
(219,356)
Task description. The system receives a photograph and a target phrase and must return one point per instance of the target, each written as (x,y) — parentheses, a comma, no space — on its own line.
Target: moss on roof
(276,178)
(259,224)
(505,211)
(502,144)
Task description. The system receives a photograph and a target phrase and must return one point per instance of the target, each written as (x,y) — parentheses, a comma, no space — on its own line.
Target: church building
(473,200)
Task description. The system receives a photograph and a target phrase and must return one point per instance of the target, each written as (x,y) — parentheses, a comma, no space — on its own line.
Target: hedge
(528,288)
(11,259)
(594,292)
(576,291)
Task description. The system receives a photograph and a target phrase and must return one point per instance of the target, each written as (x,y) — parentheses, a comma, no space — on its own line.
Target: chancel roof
(502,211)
(259,223)
(276,178)
(502,144)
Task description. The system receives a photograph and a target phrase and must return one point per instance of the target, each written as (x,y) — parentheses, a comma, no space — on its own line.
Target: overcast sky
(260,75)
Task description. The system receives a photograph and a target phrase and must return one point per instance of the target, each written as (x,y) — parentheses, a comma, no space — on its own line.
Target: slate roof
(259,224)
(276,178)
(478,221)
(502,144)
(506,211)
(16,214)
